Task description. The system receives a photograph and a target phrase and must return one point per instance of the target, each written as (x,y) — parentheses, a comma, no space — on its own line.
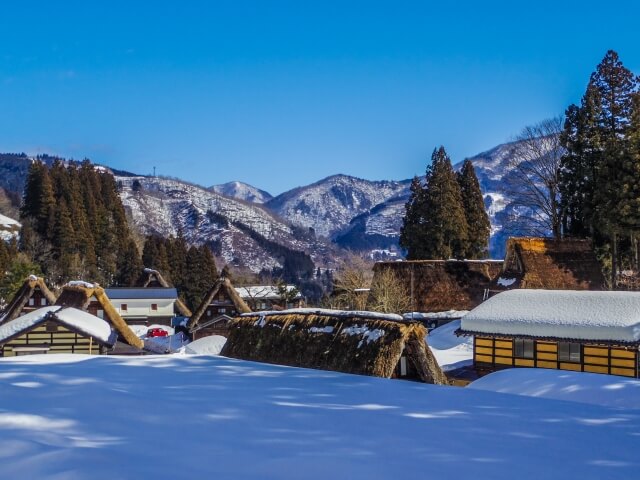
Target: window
(52,327)
(100,313)
(569,352)
(523,348)
(208,313)
(222,310)
(43,302)
(123,307)
(154,307)
(32,302)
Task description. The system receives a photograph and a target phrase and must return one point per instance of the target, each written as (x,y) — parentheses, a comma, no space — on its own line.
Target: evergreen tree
(412,230)
(581,165)
(129,265)
(478,225)
(445,225)
(39,201)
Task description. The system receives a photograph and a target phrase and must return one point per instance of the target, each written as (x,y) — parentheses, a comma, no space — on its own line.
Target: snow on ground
(211,345)
(450,351)
(171,417)
(593,388)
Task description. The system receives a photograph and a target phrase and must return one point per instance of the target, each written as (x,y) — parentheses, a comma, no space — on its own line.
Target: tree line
(445,216)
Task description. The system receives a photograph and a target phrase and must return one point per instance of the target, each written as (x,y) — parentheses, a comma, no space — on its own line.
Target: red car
(157,332)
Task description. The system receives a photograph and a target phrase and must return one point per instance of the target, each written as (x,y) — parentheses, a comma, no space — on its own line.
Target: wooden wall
(62,340)
(495,353)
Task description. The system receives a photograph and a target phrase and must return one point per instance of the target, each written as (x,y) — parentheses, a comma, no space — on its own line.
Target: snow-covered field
(174,417)
(450,351)
(562,385)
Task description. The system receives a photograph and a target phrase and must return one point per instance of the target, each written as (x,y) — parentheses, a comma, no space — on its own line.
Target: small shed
(218,307)
(33,294)
(92,298)
(55,329)
(575,330)
(358,342)
(534,262)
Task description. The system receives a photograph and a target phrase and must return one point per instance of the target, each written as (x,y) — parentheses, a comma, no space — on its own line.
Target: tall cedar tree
(192,271)
(598,169)
(478,225)
(412,230)
(439,230)
(74,224)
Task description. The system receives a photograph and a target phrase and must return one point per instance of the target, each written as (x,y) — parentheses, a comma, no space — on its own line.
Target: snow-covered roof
(328,312)
(70,317)
(263,292)
(86,323)
(569,314)
(447,314)
(80,283)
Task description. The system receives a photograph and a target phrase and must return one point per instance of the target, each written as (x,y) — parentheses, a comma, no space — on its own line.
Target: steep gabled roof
(73,319)
(153,278)
(442,285)
(363,343)
(546,263)
(78,295)
(222,284)
(23,295)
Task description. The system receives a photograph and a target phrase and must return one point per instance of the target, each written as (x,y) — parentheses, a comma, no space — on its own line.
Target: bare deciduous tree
(352,282)
(388,293)
(535,175)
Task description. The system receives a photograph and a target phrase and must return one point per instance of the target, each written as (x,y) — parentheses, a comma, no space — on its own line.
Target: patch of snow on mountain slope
(166,206)
(242,191)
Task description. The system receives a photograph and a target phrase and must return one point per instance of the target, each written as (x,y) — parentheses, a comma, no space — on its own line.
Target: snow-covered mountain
(328,206)
(242,233)
(242,191)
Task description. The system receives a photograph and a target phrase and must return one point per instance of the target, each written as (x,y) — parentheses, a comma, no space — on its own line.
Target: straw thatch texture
(150,278)
(22,296)
(441,285)
(225,285)
(364,346)
(545,263)
(79,296)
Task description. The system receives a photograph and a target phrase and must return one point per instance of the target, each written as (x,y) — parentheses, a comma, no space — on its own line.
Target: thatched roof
(442,285)
(545,263)
(225,285)
(349,342)
(78,295)
(150,278)
(22,296)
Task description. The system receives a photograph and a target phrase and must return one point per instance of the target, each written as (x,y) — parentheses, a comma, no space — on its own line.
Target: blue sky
(280,94)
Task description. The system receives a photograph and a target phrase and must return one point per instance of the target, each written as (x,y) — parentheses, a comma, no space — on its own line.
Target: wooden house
(267,297)
(219,306)
(575,330)
(55,329)
(442,287)
(92,298)
(33,294)
(567,264)
(144,306)
(151,278)
(364,343)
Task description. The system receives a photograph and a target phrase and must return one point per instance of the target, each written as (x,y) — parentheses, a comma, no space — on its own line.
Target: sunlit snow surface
(211,417)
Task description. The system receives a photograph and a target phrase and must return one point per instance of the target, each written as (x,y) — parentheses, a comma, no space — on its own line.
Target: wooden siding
(493,354)
(62,340)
